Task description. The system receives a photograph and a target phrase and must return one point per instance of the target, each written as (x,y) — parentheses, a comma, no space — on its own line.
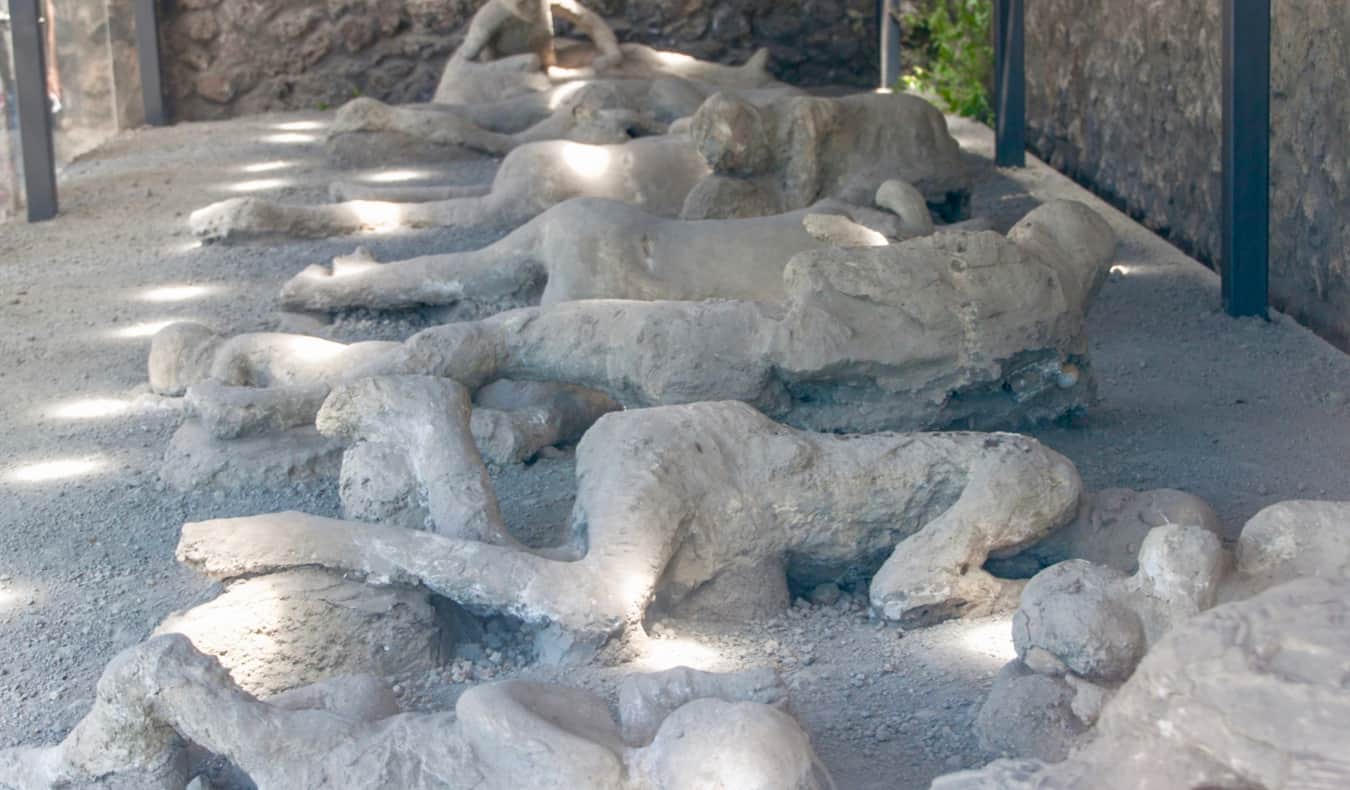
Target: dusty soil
(1241,412)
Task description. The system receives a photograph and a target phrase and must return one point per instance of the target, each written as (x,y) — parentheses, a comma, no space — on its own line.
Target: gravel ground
(1241,412)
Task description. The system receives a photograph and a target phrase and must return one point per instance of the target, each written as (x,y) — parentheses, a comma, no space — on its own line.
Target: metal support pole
(1010,84)
(889,23)
(35,120)
(147,51)
(1246,156)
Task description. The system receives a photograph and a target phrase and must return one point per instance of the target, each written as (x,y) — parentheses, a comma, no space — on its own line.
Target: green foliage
(960,55)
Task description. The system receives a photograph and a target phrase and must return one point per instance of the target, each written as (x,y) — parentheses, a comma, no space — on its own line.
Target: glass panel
(11,185)
(80,77)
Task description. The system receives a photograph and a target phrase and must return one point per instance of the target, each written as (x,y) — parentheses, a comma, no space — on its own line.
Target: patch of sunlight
(258,184)
(10,597)
(268,167)
(397,176)
(674,58)
(176,293)
(313,349)
(564,92)
(659,655)
(377,216)
(88,409)
(587,161)
(299,126)
(992,638)
(57,469)
(290,138)
(143,329)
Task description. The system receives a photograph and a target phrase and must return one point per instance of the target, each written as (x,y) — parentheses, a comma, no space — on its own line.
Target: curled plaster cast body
(829,148)
(588,248)
(970,329)
(678,503)
(512,735)
(252,386)
(1250,694)
(796,150)
(1084,627)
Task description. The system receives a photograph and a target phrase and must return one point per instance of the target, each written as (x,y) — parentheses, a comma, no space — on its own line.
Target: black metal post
(889,22)
(147,51)
(1245,249)
(35,120)
(1010,84)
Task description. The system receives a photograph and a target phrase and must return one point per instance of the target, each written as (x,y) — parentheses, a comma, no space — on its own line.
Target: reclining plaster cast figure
(512,421)
(584,111)
(1082,628)
(465,82)
(653,172)
(598,249)
(1248,695)
(802,150)
(513,27)
(968,329)
(796,150)
(684,508)
(515,735)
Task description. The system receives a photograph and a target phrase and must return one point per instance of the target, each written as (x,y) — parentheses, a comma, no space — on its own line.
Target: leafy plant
(959,53)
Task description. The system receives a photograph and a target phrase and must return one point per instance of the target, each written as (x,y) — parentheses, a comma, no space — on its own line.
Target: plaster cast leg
(429,420)
(230,412)
(241,219)
(502,275)
(480,576)
(656,172)
(938,573)
(439,127)
(514,420)
(152,694)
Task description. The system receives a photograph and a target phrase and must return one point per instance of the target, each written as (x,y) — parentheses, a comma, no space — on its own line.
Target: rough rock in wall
(1127,98)
(226,58)
(1310,164)
(245,56)
(813,42)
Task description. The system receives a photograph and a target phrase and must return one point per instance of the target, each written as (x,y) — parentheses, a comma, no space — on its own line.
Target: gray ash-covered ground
(1241,412)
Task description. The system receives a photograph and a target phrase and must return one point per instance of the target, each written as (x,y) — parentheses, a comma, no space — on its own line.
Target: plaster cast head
(734,136)
(1064,233)
(181,354)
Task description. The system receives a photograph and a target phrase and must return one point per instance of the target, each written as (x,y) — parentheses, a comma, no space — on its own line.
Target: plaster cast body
(588,248)
(738,161)
(1082,628)
(1249,694)
(512,735)
(793,151)
(680,504)
(970,329)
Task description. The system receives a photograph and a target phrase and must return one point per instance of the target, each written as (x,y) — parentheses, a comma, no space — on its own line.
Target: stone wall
(233,57)
(1126,98)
